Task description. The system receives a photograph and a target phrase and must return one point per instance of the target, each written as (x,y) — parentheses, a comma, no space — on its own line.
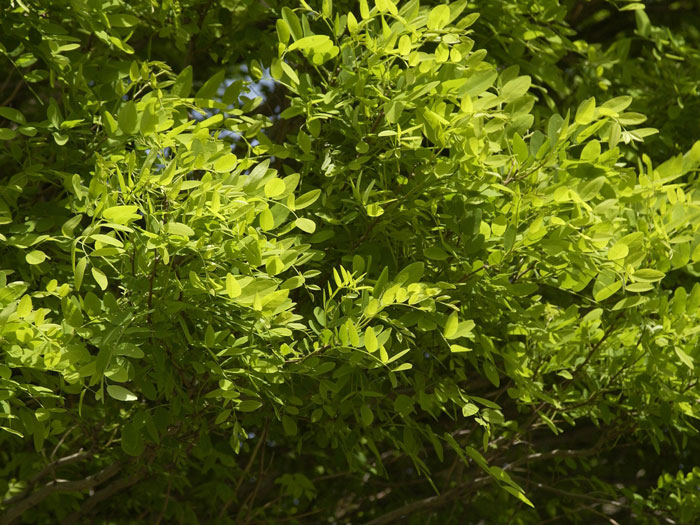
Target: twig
(165,503)
(241,478)
(150,286)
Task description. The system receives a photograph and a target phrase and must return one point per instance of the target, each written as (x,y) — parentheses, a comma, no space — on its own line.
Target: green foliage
(432,267)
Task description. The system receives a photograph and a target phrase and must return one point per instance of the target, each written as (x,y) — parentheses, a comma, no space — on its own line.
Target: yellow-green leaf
(451,325)
(233,289)
(274,188)
(370,340)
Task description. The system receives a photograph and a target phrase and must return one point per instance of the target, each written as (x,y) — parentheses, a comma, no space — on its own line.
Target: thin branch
(40,495)
(247,468)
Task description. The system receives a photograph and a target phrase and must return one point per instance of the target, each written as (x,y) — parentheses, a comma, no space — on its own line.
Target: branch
(73,458)
(100,496)
(57,486)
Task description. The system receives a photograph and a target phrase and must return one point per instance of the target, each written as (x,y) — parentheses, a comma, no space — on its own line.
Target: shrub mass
(349,262)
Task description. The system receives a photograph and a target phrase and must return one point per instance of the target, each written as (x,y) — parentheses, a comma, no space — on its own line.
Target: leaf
(371,343)
(100,278)
(35,257)
(367,415)
(451,325)
(364,9)
(439,17)
(7,134)
(585,111)
(183,83)
(289,425)
(233,289)
(128,118)
(274,188)
(469,409)
(515,88)
(149,120)
(404,45)
(274,265)
(131,441)
(249,405)
(79,272)
(393,111)
(307,199)
(177,228)
(311,42)
(226,163)
(306,225)
(647,274)
(411,273)
(211,86)
(24,308)
(685,358)
(267,220)
(607,290)
(618,251)
(283,30)
(436,253)
(13,115)
(120,393)
(121,214)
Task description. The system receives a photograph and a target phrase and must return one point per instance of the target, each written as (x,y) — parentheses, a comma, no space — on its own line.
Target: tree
(348,263)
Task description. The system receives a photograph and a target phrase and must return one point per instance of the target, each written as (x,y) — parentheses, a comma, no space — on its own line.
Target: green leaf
(249,405)
(120,393)
(367,415)
(685,358)
(289,425)
(131,441)
(439,17)
(451,325)
(177,228)
(267,220)
(364,9)
(306,225)
(618,251)
(307,199)
(371,343)
(79,272)
(311,42)
(233,289)
(100,278)
(35,257)
(469,409)
(436,253)
(274,188)
(121,214)
(183,83)
(13,115)
(226,163)
(647,274)
(128,118)
(585,111)
(7,134)
(515,88)
(211,86)
(283,30)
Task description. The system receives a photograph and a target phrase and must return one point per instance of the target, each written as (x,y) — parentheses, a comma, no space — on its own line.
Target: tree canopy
(349,262)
